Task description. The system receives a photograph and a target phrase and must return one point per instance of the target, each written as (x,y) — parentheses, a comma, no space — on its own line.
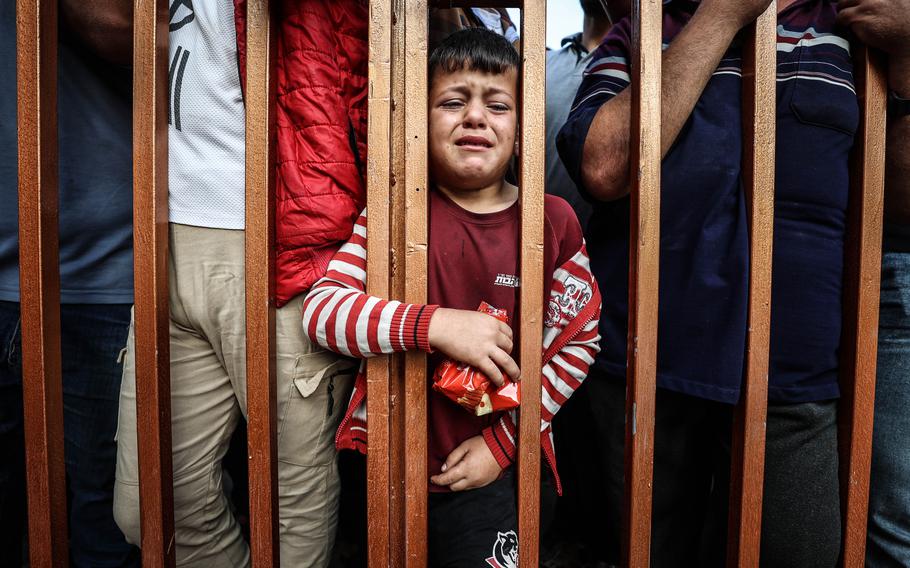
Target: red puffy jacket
(321,128)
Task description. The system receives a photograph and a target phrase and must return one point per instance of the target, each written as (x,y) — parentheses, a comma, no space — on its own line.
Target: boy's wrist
(422,327)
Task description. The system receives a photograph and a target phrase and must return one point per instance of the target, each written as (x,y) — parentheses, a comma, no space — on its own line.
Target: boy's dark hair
(473,49)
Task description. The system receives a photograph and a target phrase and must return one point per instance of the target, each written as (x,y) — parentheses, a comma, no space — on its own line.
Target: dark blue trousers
(92,336)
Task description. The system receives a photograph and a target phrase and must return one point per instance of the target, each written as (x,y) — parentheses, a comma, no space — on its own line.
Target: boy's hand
(469,466)
(475,338)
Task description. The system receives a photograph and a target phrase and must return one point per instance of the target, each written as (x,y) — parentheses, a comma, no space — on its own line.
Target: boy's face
(472,123)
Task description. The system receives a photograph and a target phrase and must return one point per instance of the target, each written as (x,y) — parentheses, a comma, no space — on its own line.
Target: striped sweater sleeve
(340,316)
(570,344)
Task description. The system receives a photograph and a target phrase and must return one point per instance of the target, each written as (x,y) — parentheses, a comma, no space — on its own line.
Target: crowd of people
(326,323)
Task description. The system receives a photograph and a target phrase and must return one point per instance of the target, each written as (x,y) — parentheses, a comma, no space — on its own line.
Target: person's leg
(888,542)
(801,519)
(478,527)
(684,445)
(714,533)
(91,339)
(576,530)
(204,264)
(313,386)
(606,396)
(12,449)
(682,469)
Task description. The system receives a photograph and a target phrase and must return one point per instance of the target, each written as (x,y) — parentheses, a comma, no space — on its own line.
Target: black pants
(479,527)
(801,506)
(466,528)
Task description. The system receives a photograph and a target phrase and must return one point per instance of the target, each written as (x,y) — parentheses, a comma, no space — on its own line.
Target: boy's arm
(571,342)
(340,316)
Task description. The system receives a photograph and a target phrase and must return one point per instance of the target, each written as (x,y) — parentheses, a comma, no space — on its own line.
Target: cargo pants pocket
(315,397)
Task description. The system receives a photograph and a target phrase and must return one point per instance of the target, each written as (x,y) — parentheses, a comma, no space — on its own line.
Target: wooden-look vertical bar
(644,252)
(259,242)
(759,122)
(150,238)
(415,266)
(397,284)
(861,297)
(39,280)
(378,178)
(531,182)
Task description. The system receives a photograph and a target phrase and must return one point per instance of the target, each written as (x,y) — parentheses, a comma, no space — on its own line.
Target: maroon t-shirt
(474,258)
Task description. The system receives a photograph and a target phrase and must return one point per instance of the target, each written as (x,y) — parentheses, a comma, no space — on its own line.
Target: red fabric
(473,258)
(321,109)
(572,310)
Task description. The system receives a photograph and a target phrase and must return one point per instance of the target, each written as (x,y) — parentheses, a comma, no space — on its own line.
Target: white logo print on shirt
(509,280)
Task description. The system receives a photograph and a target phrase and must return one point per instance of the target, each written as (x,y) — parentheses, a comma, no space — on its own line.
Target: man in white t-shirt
(207,312)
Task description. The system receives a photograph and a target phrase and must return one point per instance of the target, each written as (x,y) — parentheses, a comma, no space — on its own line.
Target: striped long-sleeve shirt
(340,316)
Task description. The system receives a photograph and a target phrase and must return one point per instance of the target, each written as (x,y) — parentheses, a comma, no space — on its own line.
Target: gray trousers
(801,505)
(208,397)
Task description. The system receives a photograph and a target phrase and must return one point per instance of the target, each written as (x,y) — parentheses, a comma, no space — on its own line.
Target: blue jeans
(888,542)
(92,336)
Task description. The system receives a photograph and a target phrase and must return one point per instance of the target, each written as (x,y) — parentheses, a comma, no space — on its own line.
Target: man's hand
(475,338)
(469,466)
(736,12)
(883,24)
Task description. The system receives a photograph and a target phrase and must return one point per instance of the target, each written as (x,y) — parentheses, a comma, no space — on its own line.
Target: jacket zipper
(351,408)
(546,456)
(559,345)
(562,342)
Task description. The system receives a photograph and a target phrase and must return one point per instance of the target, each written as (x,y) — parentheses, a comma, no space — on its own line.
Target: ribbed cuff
(416,327)
(499,447)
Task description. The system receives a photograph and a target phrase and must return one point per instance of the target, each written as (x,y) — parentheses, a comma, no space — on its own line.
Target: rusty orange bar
(39,280)
(531,182)
(415,266)
(397,279)
(378,245)
(259,241)
(861,297)
(150,235)
(748,452)
(644,255)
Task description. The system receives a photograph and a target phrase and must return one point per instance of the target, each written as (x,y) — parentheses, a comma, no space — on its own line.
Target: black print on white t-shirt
(186,15)
(175,82)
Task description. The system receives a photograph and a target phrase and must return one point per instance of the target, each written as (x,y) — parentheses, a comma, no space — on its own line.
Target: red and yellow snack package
(470,388)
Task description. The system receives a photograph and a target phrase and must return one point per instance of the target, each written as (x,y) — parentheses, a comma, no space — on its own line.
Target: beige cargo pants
(208,397)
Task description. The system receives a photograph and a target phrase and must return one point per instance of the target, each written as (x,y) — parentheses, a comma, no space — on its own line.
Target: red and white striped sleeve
(570,344)
(340,316)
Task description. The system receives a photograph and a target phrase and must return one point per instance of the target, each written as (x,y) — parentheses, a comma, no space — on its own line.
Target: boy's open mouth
(473,142)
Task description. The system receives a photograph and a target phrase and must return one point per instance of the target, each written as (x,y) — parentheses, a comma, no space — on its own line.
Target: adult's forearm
(687,66)
(103,26)
(897,171)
